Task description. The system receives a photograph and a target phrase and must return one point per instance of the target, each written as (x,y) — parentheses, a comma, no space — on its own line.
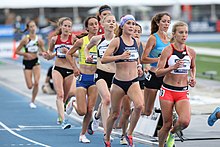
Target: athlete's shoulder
(168,50)
(115,40)
(191,51)
(79,42)
(54,38)
(96,38)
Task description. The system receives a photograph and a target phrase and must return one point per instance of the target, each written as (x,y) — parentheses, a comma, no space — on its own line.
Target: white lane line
(22,127)
(15,129)
(22,137)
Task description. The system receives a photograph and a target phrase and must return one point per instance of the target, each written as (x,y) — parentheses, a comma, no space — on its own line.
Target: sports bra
(32,45)
(175,56)
(133,49)
(102,46)
(59,45)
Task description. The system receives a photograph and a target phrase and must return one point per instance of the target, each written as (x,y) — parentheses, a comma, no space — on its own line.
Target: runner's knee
(184,123)
(115,115)
(138,108)
(167,125)
(82,112)
(127,113)
(106,101)
(60,95)
(36,84)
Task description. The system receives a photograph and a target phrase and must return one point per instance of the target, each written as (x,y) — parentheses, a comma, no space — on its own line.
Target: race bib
(102,51)
(133,55)
(162,92)
(94,56)
(33,49)
(147,76)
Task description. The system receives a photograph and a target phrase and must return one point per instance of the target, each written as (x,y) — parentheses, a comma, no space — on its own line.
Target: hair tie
(125,18)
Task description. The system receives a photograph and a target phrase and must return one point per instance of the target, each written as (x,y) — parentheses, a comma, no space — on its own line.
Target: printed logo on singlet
(133,53)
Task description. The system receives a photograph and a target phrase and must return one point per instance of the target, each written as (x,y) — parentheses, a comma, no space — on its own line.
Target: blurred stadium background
(202,16)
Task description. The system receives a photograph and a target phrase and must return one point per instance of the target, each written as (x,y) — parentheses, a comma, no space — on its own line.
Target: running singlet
(156,51)
(133,49)
(179,55)
(92,52)
(32,45)
(102,46)
(61,45)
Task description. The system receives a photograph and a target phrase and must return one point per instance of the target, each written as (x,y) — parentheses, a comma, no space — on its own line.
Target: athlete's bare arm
(148,47)
(77,45)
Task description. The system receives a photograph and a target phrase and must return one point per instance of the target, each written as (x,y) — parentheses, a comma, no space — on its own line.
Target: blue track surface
(22,126)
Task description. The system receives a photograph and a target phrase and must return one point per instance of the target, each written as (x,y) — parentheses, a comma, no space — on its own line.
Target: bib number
(147,76)
(162,92)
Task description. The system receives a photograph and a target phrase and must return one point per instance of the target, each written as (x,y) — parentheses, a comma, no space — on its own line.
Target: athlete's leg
(105,96)
(167,114)
(183,110)
(81,101)
(92,96)
(58,85)
(72,91)
(125,114)
(68,81)
(116,98)
(135,93)
(28,78)
(149,99)
(36,74)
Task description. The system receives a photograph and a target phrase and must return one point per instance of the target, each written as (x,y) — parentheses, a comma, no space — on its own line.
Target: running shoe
(170,140)
(89,129)
(123,140)
(69,107)
(107,143)
(65,125)
(129,141)
(212,118)
(59,120)
(32,105)
(83,139)
(95,123)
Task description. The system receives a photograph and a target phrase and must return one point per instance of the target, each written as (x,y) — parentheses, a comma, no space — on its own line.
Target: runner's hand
(192,82)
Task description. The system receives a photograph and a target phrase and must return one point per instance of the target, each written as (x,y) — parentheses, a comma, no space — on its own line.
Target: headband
(104,9)
(125,18)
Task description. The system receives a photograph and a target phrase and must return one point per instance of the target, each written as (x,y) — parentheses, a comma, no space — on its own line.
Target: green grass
(207,63)
(215,45)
